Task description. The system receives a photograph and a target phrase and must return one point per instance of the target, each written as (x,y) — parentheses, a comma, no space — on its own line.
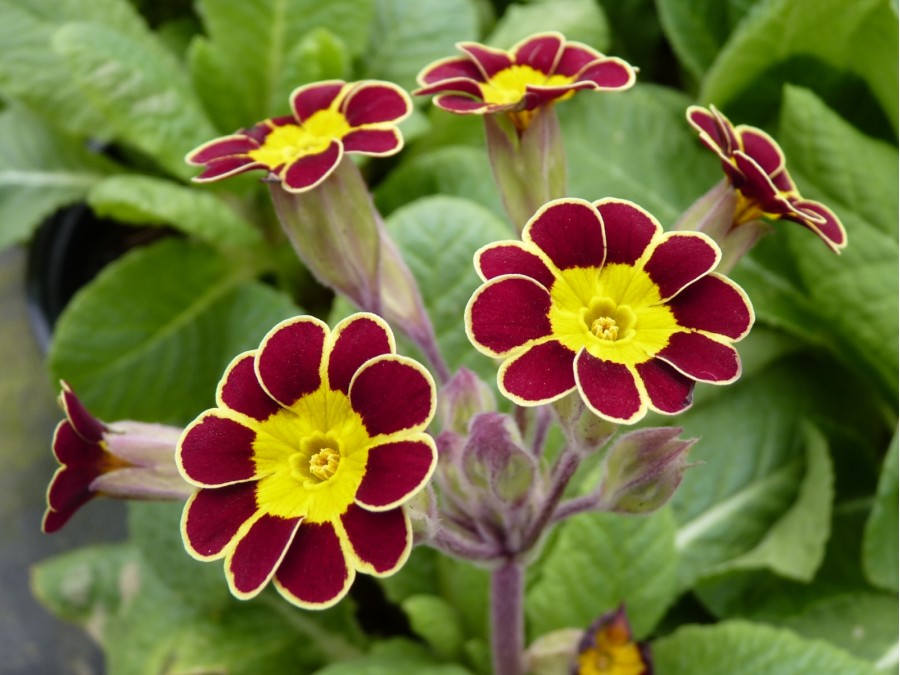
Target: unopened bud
(463,397)
(495,459)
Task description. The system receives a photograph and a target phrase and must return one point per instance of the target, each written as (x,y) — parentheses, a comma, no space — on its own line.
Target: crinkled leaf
(742,648)
(598,561)
(396,656)
(858,37)
(581,20)
(150,337)
(40,171)
(257,51)
(140,88)
(144,200)
(407,36)
(625,144)
(437,622)
(880,543)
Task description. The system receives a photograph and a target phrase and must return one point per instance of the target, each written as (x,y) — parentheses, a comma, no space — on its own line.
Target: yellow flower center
(286,143)
(612,653)
(311,458)
(509,85)
(614,312)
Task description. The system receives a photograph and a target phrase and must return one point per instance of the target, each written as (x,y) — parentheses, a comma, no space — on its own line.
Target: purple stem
(507,618)
(563,470)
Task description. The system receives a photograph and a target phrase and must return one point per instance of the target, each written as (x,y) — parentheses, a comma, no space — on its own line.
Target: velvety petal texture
(755,165)
(597,298)
(302,149)
(317,441)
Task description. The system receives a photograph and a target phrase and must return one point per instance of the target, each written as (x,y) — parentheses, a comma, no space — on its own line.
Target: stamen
(324,463)
(605,328)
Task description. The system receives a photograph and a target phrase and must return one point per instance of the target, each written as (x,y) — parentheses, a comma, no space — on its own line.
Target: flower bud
(494,458)
(643,469)
(463,397)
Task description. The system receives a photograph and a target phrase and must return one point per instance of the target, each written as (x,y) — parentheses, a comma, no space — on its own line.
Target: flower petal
(489,60)
(212,519)
(314,574)
(680,258)
(762,148)
(69,488)
(225,167)
(84,423)
(381,541)
(715,304)
(670,392)
(629,230)
(53,521)
(570,232)
(311,98)
(289,359)
(355,340)
(240,390)
(512,257)
(541,52)
(457,85)
(376,142)
(452,68)
(306,172)
(460,105)
(69,447)
(831,230)
(236,145)
(506,313)
(608,73)
(758,186)
(216,450)
(702,358)
(609,389)
(541,374)
(395,471)
(574,57)
(373,102)
(258,553)
(392,393)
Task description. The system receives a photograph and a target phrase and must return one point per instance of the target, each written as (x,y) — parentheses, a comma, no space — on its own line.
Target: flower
(317,440)
(597,298)
(130,460)
(608,648)
(537,71)
(755,167)
(301,150)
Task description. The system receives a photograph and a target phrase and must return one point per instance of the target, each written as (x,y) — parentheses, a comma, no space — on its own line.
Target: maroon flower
(755,166)
(609,648)
(317,440)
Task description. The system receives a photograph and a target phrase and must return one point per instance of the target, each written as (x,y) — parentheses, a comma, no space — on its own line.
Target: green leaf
(599,560)
(394,657)
(140,88)
(625,144)
(437,622)
(258,51)
(880,543)
(742,648)
(32,72)
(144,200)
(579,20)
(150,337)
(40,171)
(858,37)
(407,36)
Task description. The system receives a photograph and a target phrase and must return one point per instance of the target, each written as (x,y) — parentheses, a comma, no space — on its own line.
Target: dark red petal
(71,448)
(757,185)
(375,103)
(609,389)
(541,52)
(608,73)
(460,104)
(679,259)
(489,61)
(725,130)
(373,141)
(575,56)
(306,172)
(629,230)
(241,391)
(508,312)
(670,392)
(762,148)
(705,123)
(702,358)
(212,518)
(394,471)
(289,358)
(570,232)
(511,257)
(228,166)
(310,99)
(355,341)
(831,230)
(54,520)
(715,304)
(85,424)
(454,68)
(217,451)
(391,393)
(258,553)
(381,540)
(783,182)
(543,373)
(70,487)
(314,573)
(220,148)
(457,85)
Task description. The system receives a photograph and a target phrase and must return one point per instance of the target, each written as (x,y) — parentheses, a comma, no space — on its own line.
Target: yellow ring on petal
(510,84)
(289,142)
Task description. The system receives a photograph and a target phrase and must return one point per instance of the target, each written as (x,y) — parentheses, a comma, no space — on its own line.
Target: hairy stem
(508,618)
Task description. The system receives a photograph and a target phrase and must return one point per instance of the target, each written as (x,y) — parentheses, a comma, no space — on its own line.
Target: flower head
(608,648)
(124,459)
(317,440)
(755,167)
(302,149)
(537,71)
(597,298)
